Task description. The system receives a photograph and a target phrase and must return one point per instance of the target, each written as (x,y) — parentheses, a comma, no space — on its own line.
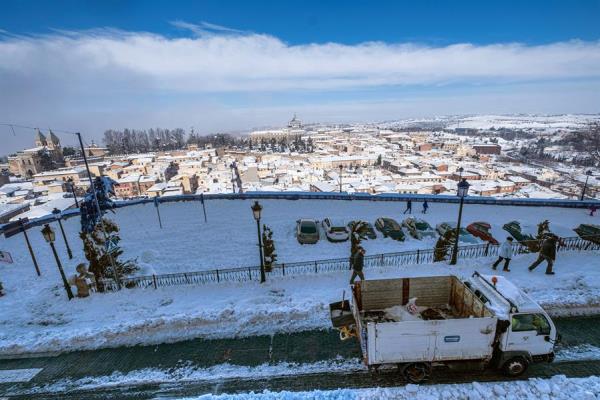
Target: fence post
(381,261)
(283,268)
(316,267)
(154,280)
(487,248)
(250,272)
(217,275)
(418,253)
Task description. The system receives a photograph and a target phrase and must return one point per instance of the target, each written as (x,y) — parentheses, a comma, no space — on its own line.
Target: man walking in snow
(425,207)
(593,209)
(505,253)
(358,262)
(548,253)
(408,206)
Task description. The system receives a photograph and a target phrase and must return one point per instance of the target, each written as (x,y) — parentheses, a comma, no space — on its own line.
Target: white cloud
(106,78)
(223,61)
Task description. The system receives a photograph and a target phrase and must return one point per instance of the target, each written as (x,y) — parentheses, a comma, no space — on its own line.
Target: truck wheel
(515,366)
(416,372)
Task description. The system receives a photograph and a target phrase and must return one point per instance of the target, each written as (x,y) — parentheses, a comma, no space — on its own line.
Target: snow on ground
(556,388)
(187,372)
(190,373)
(229,238)
(35,315)
(37,318)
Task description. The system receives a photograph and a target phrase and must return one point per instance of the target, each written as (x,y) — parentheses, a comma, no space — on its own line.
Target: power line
(12,127)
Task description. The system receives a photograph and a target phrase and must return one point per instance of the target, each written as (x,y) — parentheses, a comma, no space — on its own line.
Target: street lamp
(341,168)
(587,176)
(49,236)
(460,171)
(58,215)
(461,190)
(72,188)
(256,210)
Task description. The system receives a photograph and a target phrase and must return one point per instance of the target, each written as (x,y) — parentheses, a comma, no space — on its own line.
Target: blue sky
(234,65)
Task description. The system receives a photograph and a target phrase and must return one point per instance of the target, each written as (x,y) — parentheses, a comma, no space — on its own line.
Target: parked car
(527,239)
(335,232)
(464,235)
(418,228)
(589,232)
(307,231)
(482,230)
(389,227)
(370,232)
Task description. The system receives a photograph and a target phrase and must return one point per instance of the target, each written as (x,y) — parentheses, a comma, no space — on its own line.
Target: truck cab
(529,335)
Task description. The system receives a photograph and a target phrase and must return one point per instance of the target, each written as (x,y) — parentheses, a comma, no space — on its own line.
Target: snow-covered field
(556,388)
(229,238)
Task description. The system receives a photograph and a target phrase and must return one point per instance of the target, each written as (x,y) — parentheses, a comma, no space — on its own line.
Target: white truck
(417,324)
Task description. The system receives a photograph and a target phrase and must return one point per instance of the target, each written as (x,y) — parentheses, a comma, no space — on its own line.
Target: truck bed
(451,322)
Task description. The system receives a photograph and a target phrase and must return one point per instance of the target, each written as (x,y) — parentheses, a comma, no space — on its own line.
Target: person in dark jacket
(547,253)
(425,207)
(358,262)
(408,206)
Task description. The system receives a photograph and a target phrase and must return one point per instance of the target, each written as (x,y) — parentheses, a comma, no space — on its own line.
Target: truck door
(530,332)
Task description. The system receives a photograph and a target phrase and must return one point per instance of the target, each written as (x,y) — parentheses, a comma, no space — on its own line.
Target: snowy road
(302,361)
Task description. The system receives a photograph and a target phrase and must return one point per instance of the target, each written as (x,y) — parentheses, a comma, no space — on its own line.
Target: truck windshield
(531,322)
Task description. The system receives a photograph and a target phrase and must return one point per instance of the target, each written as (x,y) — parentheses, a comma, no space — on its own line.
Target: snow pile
(556,388)
(46,321)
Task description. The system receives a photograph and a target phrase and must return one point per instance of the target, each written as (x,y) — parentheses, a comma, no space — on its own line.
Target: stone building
(45,156)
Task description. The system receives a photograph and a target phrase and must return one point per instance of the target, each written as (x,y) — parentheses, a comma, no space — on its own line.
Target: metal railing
(386,260)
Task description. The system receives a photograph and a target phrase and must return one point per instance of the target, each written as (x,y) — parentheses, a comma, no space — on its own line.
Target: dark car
(369,231)
(389,227)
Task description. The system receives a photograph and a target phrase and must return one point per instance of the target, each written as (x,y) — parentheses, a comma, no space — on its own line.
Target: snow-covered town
(235,200)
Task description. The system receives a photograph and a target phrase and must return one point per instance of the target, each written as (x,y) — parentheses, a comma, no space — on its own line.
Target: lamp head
(462,188)
(48,234)
(256,210)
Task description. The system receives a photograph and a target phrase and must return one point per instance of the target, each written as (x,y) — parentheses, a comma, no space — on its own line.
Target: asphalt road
(302,347)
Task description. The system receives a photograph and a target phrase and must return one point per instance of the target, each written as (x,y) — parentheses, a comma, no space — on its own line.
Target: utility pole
(341,168)
(93,190)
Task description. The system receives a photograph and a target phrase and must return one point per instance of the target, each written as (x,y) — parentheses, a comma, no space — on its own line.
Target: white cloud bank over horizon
(97,79)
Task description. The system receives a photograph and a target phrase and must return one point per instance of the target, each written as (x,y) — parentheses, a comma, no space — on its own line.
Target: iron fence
(386,260)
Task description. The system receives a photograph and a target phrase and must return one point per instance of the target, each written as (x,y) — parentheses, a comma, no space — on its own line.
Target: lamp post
(460,171)
(49,236)
(256,210)
(58,215)
(587,176)
(461,191)
(72,188)
(341,168)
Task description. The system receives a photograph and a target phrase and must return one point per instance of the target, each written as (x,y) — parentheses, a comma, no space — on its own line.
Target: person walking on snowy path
(425,207)
(548,253)
(505,253)
(593,209)
(358,262)
(408,206)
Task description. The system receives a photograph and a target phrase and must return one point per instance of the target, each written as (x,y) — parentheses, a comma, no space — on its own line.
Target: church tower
(40,139)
